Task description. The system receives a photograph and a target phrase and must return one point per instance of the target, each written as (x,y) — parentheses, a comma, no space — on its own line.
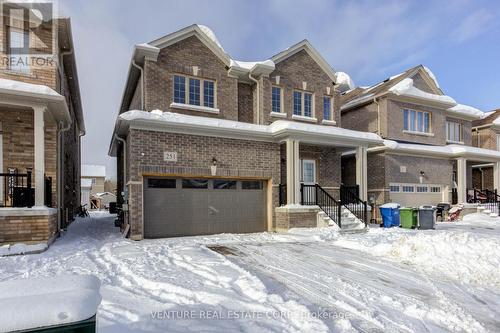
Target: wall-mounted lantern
(213,167)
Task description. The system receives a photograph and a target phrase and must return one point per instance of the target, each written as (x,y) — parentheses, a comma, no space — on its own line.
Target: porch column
(361,172)
(39,170)
(461,180)
(496,176)
(292,172)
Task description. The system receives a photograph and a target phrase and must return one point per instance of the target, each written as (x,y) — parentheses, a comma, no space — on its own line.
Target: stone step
(353,231)
(493,215)
(487,211)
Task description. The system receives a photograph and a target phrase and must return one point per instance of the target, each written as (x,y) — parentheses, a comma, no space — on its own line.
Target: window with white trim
(327,107)
(408,188)
(19,41)
(416,121)
(394,188)
(276,99)
(454,131)
(303,104)
(194,91)
(435,189)
(422,189)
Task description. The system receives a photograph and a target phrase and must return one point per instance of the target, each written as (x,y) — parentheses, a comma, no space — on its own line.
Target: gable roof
(313,53)
(488,118)
(403,85)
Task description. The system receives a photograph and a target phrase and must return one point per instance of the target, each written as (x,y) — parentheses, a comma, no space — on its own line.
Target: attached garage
(201,206)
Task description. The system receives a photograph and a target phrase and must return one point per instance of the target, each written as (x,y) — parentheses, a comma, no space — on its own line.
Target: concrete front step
(353,231)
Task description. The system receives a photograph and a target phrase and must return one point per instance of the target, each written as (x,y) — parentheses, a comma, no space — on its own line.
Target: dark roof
(487,120)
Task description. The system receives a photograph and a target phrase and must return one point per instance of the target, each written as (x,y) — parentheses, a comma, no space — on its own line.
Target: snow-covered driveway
(308,280)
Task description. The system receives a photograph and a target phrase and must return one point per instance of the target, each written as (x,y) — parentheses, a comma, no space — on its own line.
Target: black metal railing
(282,194)
(16,190)
(490,200)
(346,192)
(454,196)
(48,192)
(354,204)
(316,195)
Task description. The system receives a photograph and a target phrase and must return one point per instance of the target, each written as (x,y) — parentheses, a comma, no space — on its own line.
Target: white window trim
(313,162)
(281,100)
(195,107)
(461,132)
(331,108)
(303,106)
(498,142)
(23,69)
(278,114)
(328,122)
(409,131)
(415,185)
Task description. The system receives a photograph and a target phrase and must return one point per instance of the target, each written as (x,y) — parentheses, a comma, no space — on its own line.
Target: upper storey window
(327,107)
(196,92)
(416,121)
(303,104)
(19,40)
(454,132)
(276,99)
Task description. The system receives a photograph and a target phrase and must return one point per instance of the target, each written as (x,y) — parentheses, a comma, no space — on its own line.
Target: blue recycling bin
(390,215)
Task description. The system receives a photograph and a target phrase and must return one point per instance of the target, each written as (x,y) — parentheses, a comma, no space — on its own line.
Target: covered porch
(31,118)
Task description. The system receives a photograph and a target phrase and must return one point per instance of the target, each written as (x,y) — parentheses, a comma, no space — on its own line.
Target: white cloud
(474,25)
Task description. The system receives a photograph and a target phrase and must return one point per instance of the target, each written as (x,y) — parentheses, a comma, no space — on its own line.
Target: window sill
(304,118)
(194,108)
(455,142)
(329,122)
(418,133)
(18,72)
(278,114)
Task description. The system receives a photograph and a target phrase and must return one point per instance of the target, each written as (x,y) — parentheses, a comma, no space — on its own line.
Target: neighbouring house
(96,175)
(86,187)
(209,144)
(428,154)
(41,122)
(486,134)
(102,200)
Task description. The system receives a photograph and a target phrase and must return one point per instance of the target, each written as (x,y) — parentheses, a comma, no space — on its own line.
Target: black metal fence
(316,195)
(347,192)
(353,203)
(16,190)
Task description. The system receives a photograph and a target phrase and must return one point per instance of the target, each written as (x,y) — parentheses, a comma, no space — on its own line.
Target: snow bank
(457,254)
(344,81)
(406,88)
(21,248)
(47,301)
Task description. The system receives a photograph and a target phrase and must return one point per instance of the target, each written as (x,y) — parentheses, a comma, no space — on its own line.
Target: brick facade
(28,228)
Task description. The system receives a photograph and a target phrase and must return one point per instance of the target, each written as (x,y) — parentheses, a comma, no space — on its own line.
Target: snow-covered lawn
(308,280)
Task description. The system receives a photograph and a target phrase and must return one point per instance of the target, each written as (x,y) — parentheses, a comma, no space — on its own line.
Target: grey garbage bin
(426,217)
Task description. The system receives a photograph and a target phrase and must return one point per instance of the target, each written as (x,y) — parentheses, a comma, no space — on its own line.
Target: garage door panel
(187,211)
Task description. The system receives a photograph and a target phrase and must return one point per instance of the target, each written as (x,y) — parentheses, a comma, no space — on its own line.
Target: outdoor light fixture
(213,167)
(422,174)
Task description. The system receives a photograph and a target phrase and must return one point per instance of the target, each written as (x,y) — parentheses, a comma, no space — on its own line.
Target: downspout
(60,181)
(142,82)
(257,86)
(378,115)
(124,142)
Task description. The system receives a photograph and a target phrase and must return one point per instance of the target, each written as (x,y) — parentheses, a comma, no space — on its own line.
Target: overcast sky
(458,40)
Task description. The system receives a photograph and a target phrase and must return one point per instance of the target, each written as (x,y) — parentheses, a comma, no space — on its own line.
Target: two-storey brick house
(41,123)
(204,141)
(427,153)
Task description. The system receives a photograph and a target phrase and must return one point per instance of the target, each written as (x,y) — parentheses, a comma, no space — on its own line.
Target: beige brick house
(209,144)
(485,134)
(427,153)
(41,123)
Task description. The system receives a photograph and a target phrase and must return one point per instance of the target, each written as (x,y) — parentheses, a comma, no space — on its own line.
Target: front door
(308,175)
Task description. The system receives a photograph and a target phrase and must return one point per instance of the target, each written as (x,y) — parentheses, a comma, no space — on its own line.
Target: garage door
(188,207)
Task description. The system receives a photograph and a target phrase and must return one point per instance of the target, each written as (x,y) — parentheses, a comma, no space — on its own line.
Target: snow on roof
(268,131)
(39,302)
(344,81)
(432,76)
(249,65)
(22,87)
(461,109)
(210,34)
(497,121)
(86,182)
(89,170)
(450,150)
(406,88)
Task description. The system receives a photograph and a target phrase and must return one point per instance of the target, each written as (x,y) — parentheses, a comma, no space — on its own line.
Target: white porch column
(39,170)
(292,172)
(496,176)
(461,180)
(361,172)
